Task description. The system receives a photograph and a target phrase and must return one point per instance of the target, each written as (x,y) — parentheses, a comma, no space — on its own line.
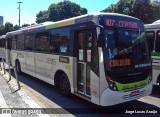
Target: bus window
(14,37)
(42,41)
(29,42)
(2,43)
(124,40)
(60,40)
(89,45)
(151,39)
(157,43)
(20,42)
(81,46)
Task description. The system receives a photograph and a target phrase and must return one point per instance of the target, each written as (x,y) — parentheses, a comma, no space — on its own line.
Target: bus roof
(3,36)
(75,20)
(152,26)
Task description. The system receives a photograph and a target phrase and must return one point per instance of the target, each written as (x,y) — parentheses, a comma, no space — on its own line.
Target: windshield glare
(124,48)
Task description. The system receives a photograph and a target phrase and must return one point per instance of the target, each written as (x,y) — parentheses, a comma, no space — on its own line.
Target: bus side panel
(155,74)
(47,65)
(103,81)
(8,59)
(30,63)
(13,57)
(2,53)
(95,85)
(155,69)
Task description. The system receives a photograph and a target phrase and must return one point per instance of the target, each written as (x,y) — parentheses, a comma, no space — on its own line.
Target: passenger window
(42,41)
(60,41)
(157,43)
(151,39)
(14,37)
(29,42)
(20,42)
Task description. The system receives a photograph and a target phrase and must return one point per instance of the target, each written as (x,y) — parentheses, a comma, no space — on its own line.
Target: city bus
(3,47)
(102,57)
(153,36)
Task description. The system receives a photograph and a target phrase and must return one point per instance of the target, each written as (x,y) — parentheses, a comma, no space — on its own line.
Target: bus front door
(84,42)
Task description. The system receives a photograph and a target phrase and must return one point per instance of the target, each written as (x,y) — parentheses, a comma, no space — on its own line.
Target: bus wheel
(18,67)
(64,85)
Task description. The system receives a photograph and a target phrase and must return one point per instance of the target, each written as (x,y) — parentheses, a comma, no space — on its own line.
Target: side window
(29,42)
(60,40)
(157,43)
(9,42)
(20,42)
(89,45)
(14,37)
(81,46)
(2,43)
(151,39)
(42,41)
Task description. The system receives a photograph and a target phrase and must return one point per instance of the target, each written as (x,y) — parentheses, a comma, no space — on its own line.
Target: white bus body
(153,35)
(72,54)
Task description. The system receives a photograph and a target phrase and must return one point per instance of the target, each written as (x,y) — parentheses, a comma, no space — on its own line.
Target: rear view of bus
(127,61)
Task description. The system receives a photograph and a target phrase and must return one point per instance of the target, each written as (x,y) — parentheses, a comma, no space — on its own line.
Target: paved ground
(11,97)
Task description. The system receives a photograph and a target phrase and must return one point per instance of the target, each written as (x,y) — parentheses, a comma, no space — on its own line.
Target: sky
(29,8)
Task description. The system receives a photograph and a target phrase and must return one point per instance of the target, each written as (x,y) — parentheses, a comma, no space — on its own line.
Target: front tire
(65,85)
(18,67)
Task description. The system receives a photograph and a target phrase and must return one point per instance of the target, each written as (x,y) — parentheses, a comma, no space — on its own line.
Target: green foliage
(42,16)
(60,11)
(16,27)
(25,25)
(156,9)
(145,10)
(2,30)
(7,28)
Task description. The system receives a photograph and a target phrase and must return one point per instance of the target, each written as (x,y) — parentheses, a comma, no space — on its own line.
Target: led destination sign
(122,24)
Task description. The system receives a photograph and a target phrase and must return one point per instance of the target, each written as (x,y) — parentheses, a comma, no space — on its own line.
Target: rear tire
(18,67)
(64,85)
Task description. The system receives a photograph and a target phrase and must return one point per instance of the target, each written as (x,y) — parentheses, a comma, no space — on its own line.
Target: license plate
(135,93)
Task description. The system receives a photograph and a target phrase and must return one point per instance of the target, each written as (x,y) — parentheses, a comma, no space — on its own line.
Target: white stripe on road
(150,100)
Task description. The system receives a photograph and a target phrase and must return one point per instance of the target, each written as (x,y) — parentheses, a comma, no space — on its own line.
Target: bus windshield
(125,49)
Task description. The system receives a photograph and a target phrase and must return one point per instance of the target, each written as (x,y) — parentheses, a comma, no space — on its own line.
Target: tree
(60,11)
(42,16)
(156,10)
(145,10)
(8,27)
(25,25)
(16,27)
(2,30)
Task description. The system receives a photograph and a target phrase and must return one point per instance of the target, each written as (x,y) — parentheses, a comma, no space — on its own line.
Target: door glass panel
(89,45)
(80,77)
(157,44)
(81,46)
(88,80)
